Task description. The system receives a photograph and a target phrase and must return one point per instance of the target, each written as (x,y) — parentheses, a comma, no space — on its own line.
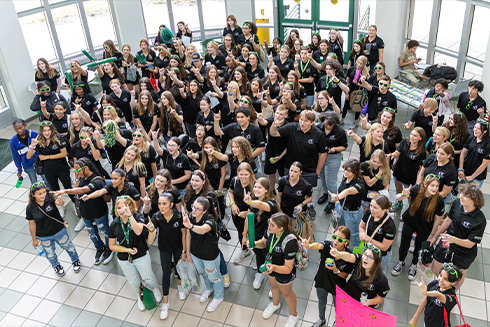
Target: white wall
(15,62)
(241,9)
(486,74)
(129,21)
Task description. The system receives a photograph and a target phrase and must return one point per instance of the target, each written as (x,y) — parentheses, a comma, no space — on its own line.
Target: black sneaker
(397,269)
(77,266)
(312,212)
(329,207)
(107,256)
(59,270)
(323,198)
(319,323)
(412,272)
(98,255)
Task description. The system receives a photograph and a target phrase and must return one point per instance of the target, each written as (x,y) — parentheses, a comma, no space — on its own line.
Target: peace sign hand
(247,197)
(146,200)
(34,141)
(150,226)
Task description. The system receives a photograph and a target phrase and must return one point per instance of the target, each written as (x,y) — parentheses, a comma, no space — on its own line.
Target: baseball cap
(196,56)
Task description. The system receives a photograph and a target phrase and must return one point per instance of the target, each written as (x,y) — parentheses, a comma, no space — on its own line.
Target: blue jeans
(259,166)
(31,172)
(139,267)
(96,225)
(447,198)
(223,268)
(310,99)
(63,240)
(329,173)
(385,260)
(351,219)
(480,183)
(209,269)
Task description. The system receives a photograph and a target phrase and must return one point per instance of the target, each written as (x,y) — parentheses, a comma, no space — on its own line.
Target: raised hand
(407,189)
(217,117)
(146,200)
(422,286)
(154,135)
(43,103)
(350,132)
(187,223)
(333,252)
(334,196)
(150,226)
(247,197)
(335,79)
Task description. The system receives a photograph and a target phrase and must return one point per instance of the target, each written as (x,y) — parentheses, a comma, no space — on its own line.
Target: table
(406,93)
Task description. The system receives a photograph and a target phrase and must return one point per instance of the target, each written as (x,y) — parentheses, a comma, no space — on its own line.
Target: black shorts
(272,168)
(463,262)
(283,279)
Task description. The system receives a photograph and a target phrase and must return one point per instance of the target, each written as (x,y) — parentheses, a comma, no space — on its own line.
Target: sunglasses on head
(429,176)
(83,137)
(468,106)
(123,197)
(46,123)
(253,53)
(378,67)
(482,122)
(79,169)
(450,269)
(174,57)
(357,41)
(37,184)
(290,83)
(244,101)
(46,89)
(459,113)
(305,47)
(137,135)
(374,248)
(393,111)
(336,238)
(384,84)
(108,108)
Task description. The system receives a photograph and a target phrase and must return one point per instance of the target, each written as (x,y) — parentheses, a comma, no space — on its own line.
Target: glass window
(187,12)
(422,14)
(21,5)
(155,14)
(441,59)
(37,37)
(450,24)
(214,13)
(69,29)
(264,10)
(422,53)
(473,71)
(99,22)
(367,14)
(338,12)
(300,10)
(480,29)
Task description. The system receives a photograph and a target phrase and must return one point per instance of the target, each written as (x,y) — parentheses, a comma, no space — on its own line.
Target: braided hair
(122,173)
(86,162)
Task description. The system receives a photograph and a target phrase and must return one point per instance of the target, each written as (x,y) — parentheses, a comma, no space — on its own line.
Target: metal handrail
(364,23)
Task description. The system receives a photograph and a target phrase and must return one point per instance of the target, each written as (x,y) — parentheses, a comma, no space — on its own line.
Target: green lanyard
(329,82)
(125,230)
(272,246)
(303,68)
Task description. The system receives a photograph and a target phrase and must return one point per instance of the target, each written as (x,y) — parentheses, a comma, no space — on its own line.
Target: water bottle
(40,251)
(363,297)
(357,75)
(296,211)
(19,182)
(412,242)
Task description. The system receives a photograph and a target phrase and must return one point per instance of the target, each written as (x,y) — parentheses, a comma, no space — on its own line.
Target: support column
(486,74)
(129,21)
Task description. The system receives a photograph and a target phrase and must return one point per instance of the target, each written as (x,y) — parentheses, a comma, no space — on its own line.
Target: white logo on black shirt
(87,103)
(332,137)
(49,208)
(299,192)
(176,224)
(65,125)
(479,150)
(371,287)
(310,141)
(466,224)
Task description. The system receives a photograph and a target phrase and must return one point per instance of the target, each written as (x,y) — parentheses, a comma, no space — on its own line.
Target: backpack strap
(459,307)
(285,241)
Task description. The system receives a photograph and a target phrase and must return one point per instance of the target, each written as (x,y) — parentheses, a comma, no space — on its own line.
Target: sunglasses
(175,68)
(83,137)
(174,57)
(79,85)
(384,84)
(336,238)
(290,83)
(79,170)
(305,47)
(393,111)
(431,176)
(450,269)
(253,53)
(244,101)
(482,122)
(459,113)
(47,89)
(38,184)
(108,108)
(358,41)
(123,197)
(46,123)
(378,67)
(137,135)
(468,106)
(374,248)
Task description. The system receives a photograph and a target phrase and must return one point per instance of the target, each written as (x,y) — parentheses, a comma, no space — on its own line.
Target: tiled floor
(32,295)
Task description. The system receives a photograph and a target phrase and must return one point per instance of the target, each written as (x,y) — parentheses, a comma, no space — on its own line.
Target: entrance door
(309,16)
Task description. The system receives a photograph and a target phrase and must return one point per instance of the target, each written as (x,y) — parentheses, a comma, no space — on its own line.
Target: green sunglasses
(384,84)
(378,67)
(336,238)
(106,47)
(450,269)
(108,108)
(431,176)
(123,197)
(254,53)
(482,122)
(374,248)
(468,106)
(38,184)
(244,101)
(459,113)
(291,83)
(83,137)
(305,47)
(45,89)
(79,170)
(175,68)
(137,135)
(174,57)
(79,85)
(46,123)
(393,111)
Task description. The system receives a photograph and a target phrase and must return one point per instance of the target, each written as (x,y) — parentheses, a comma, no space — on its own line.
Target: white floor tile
(23,282)
(32,323)
(45,311)
(82,239)
(12,320)
(42,287)
(25,306)
(7,255)
(94,279)
(17,194)
(120,308)
(141,317)
(38,266)
(22,260)
(473,288)
(80,297)
(100,302)
(7,276)
(60,292)
(474,308)
(113,284)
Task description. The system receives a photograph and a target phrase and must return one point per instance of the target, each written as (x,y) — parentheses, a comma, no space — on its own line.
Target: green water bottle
(19,182)
(251,229)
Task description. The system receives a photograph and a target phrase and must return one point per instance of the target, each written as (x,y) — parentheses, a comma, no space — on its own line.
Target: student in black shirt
(203,250)
(378,228)
(332,82)
(425,118)
(86,148)
(282,61)
(171,244)
(254,70)
(147,153)
(84,98)
(134,168)
(379,96)
(59,118)
(150,56)
(423,216)
(373,140)
(374,46)
(377,175)
(475,156)
(132,234)
(336,44)
(214,85)
(195,145)
(257,98)
(360,67)
(214,57)
(129,62)
(392,134)
(190,106)
(47,227)
(183,30)
(229,48)
(232,28)
(171,117)
(471,104)
(332,271)
(293,191)
(368,277)
(206,116)
(441,135)
(146,112)
(114,143)
(289,99)
(299,91)
(249,36)
(46,95)
(123,100)
(241,151)
(349,199)
(320,55)
(77,74)
(108,73)
(463,231)
(45,72)
(439,298)
(272,82)
(458,127)
(380,71)
(161,183)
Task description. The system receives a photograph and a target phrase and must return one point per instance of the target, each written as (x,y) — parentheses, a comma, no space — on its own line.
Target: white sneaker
(270,294)
(164,311)
(269,311)
(141,306)
(214,305)
(254,263)
(80,225)
(205,295)
(259,277)
(241,255)
(182,293)
(226,280)
(157,294)
(263,156)
(292,321)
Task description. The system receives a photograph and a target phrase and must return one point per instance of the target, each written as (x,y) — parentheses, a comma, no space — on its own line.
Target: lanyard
(272,246)
(303,68)
(125,230)
(329,82)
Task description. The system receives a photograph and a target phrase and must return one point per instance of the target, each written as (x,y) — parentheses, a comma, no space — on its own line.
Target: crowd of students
(165,126)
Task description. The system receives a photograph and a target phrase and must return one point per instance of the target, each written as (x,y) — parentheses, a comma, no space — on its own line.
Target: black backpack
(441,71)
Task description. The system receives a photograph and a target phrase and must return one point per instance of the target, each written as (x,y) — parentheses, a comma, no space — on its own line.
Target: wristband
(232,203)
(32,148)
(413,325)
(120,249)
(339,256)
(244,233)
(248,202)
(176,116)
(461,169)
(376,175)
(215,153)
(216,122)
(316,246)
(455,240)
(403,193)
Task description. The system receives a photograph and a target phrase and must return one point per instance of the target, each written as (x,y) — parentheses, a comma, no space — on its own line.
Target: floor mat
(5,153)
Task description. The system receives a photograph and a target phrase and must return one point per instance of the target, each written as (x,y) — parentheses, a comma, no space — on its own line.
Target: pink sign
(351,313)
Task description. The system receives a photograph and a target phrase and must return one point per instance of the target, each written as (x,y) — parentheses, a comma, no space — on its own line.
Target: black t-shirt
(467,226)
(434,309)
(98,118)
(190,107)
(373,80)
(134,175)
(261,223)
(150,57)
(242,40)
(377,101)
(280,254)
(235,33)
(333,89)
(422,121)
(378,186)
(61,124)
(285,67)
(88,102)
(387,231)
(207,121)
(238,193)
(337,48)
(177,166)
(169,232)
(275,145)
(274,88)
(366,156)
(212,170)
(306,70)
(353,201)
(292,195)
(257,73)
(154,200)
(447,173)
(291,113)
(96,207)
(154,96)
(319,57)
(148,158)
(53,148)
(234,163)
(408,163)
(375,45)
(45,226)
(392,140)
(325,278)
(335,138)
(204,246)
(351,73)
(202,71)
(477,152)
(218,61)
(77,151)
(471,112)
(52,80)
(146,118)
(114,192)
(418,221)
(123,103)
(135,241)
(106,80)
(116,152)
(354,288)
(252,133)
(303,147)
(161,63)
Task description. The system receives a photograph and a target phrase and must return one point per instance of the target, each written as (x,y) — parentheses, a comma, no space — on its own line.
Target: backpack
(301,260)
(438,71)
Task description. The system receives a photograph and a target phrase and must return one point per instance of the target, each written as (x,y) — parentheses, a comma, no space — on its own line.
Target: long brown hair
(269,195)
(173,124)
(421,144)
(391,125)
(138,165)
(43,142)
(208,79)
(206,187)
(384,167)
(52,72)
(375,269)
(150,107)
(211,141)
(152,189)
(282,220)
(244,81)
(112,49)
(368,143)
(459,132)
(131,58)
(430,206)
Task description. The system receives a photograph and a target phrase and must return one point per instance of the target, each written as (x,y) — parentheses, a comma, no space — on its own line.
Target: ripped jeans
(209,269)
(96,225)
(63,240)
(139,267)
